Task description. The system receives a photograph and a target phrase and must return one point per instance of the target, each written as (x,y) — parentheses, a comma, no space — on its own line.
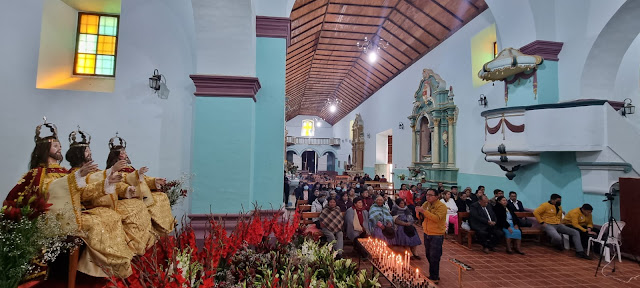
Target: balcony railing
(291,140)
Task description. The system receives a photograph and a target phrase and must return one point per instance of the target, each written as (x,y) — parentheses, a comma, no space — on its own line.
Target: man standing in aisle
(435,213)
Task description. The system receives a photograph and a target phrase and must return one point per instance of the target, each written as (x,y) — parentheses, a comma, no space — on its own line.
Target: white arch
(335,154)
(308,148)
(606,54)
(506,14)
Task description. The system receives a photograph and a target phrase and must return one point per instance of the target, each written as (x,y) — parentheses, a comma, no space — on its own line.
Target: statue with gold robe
(157,202)
(100,228)
(29,197)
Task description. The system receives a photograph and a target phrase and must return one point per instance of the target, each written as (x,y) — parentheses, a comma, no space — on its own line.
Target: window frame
(312,130)
(75,52)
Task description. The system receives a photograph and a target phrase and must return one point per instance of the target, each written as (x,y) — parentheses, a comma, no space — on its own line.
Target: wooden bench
(537,231)
(462,216)
(304,208)
(308,216)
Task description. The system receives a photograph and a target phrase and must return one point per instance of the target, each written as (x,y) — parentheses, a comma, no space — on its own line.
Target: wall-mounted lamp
(401,126)
(155,80)
(368,135)
(158,82)
(628,108)
(483,100)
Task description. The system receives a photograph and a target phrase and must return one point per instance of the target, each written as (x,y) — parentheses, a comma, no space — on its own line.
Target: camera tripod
(610,227)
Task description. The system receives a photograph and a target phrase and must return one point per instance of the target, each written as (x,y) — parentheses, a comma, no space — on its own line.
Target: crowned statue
(115,212)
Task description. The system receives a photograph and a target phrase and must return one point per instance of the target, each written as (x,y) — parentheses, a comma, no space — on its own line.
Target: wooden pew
(462,216)
(308,216)
(304,208)
(535,230)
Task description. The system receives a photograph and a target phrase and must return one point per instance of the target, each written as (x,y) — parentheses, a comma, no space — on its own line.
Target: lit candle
(417,274)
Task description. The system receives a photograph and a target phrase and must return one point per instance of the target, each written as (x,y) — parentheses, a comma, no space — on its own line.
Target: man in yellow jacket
(581,220)
(435,213)
(549,215)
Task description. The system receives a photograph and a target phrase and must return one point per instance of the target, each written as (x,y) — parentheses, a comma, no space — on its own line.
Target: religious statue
(29,197)
(100,228)
(433,121)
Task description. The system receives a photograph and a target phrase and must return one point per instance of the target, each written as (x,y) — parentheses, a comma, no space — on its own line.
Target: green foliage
(22,240)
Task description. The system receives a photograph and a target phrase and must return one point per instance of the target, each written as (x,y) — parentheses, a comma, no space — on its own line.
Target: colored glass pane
(105,65)
(307,128)
(108,25)
(89,24)
(87,43)
(106,45)
(85,63)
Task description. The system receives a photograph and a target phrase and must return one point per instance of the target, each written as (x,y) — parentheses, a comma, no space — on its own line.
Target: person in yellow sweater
(580,219)
(435,213)
(549,215)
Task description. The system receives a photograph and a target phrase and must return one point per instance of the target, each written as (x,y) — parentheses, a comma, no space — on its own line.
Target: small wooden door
(630,214)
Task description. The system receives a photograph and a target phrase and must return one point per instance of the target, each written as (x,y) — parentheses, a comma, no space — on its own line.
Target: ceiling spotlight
(333,104)
(373,56)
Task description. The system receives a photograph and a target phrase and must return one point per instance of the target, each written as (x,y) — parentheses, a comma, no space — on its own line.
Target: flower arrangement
(291,168)
(24,240)
(415,171)
(402,176)
(177,190)
(262,252)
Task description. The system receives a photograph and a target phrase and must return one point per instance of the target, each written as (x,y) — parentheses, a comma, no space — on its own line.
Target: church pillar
(451,163)
(238,132)
(271,52)
(436,142)
(416,145)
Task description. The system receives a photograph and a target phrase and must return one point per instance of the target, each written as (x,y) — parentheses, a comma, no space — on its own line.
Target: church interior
(420,143)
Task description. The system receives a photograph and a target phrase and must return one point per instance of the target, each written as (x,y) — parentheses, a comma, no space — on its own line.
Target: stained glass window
(307,128)
(96,45)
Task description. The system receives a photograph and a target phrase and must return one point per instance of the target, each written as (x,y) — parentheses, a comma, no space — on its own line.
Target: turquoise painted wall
(222,155)
(548,90)
(557,172)
(396,181)
(269,145)
(369,170)
(521,93)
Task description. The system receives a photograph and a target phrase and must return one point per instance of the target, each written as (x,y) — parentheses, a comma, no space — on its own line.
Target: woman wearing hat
(406,233)
(381,221)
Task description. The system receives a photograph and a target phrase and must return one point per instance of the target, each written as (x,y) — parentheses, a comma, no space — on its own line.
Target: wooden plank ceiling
(323,61)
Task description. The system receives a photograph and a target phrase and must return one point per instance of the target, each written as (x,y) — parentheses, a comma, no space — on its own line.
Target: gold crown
(117,143)
(79,138)
(52,129)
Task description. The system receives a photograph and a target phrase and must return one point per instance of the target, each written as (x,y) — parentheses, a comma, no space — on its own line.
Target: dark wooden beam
(448,11)
(427,14)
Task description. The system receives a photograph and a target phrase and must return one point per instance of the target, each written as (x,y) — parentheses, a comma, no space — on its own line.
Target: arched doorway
(425,139)
(331,161)
(309,161)
(290,156)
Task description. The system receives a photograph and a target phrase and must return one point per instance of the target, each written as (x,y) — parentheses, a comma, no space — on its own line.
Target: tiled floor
(542,267)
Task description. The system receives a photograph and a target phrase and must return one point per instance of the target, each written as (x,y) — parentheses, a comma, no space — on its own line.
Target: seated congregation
(354,210)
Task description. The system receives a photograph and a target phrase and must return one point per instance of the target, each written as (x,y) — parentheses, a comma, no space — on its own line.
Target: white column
(435,151)
(225,37)
(451,163)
